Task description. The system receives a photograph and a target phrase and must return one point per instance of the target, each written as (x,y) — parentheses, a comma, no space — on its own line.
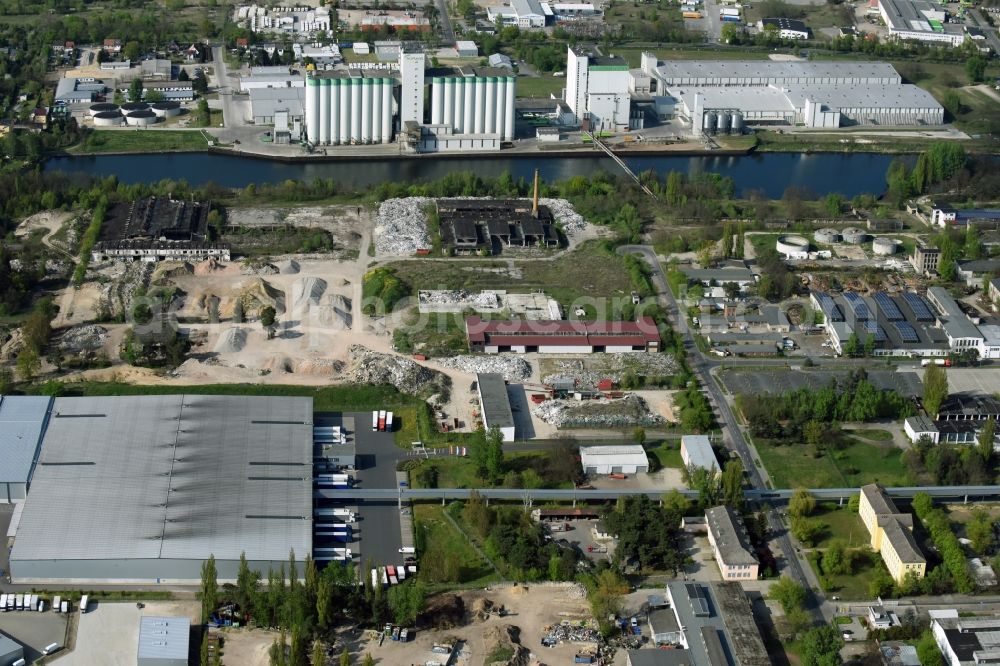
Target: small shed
(466,49)
(163,641)
(361,48)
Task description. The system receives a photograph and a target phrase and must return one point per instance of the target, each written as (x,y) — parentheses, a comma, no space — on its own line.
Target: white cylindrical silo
(356,95)
(324,111)
(508,116)
(335,111)
(479,120)
(459,120)
(469,105)
(501,105)
(491,109)
(366,110)
(377,111)
(312,109)
(386,110)
(345,111)
(437,100)
(449,101)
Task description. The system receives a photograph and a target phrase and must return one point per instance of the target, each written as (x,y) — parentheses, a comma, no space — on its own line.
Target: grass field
(872,434)
(585,272)
(855,585)
(472,568)
(980,112)
(668,454)
(857,463)
(633,55)
(540,86)
(141,141)
(840,523)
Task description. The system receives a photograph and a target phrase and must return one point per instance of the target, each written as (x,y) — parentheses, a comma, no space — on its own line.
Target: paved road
(991,33)
(378,528)
(447,32)
(232,115)
(732,434)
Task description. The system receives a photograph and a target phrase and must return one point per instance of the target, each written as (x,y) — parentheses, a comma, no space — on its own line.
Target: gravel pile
(401,226)
(231,341)
(626,412)
(587,374)
(368,367)
(258,268)
(513,368)
(473,300)
(88,338)
(564,213)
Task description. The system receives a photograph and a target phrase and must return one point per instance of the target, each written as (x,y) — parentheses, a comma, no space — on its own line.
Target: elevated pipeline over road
(957,493)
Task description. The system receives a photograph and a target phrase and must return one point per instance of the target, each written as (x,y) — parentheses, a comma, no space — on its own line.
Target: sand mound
(257,293)
(279,364)
(232,340)
(289,267)
(306,293)
(172,269)
(326,367)
(339,302)
(208,267)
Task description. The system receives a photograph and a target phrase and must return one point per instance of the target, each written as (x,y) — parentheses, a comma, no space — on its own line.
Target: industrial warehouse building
(597,91)
(142,489)
(625,459)
(22,422)
(10,650)
(163,641)
(495,404)
(157,229)
(696,451)
(920,20)
(726,97)
(561,337)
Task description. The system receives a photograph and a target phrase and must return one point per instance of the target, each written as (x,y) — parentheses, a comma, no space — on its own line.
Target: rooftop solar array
(699,599)
(866,328)
(919,306)
(830,307)
(906,332)
(858,306)
(888,307)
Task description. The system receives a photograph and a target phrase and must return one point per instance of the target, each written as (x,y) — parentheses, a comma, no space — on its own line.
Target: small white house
(625,459)
(916,427)
(361,48)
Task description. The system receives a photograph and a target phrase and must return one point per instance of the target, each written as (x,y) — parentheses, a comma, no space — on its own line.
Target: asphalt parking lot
(379,521)
(581,536)
(759,381)
(35,630)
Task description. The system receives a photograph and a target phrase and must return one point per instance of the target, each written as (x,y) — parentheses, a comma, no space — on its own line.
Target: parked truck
(388,421)
(84,601)
(57,604)
(381,420)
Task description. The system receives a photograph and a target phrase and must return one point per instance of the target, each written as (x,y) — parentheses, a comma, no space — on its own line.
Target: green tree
(986,437)
(267,316)
(833,203)
(368,660)
(837,560)
(299,653)
(209,593)
(324,603)
(204,114)
(788,593)
(247,584)
(821,647)
(407,601)
(606,592)
(494,454)
(277,652)
(928,651)
(801,504)
(639,436)
(980,531)
(814,434)
(852,347)
(806,530)
(319,654)
(203,653)
(131,51)
(732,484)
(28,363)
(975,68)
(135,90)
(935,389)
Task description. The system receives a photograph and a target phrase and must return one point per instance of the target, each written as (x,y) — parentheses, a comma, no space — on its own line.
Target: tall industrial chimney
(534,200)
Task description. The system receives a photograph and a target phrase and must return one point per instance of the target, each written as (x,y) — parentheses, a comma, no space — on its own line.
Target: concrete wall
(122,571)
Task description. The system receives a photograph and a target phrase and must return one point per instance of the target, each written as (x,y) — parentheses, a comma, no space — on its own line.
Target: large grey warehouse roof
(906,96)
(496,402)
(265,101)
(764,69)
(22,421)
(171,477)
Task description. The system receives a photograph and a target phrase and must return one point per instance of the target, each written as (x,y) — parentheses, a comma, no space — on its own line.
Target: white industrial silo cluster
(345,108)
(474,104)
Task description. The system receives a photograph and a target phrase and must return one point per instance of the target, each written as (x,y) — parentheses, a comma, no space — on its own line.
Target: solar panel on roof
(858,306)
(699,599)
(866,328)
(919,306)
(830,307)
(888,307)
(906,332)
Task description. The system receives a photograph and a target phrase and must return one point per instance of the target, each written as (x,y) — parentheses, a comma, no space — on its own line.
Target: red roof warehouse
(562,337)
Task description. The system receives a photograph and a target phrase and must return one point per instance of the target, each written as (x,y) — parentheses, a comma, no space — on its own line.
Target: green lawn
(433,334)
(585,272)
(458,472)
(980,112)
(853,586)
(872,434)
(141,141)
(668,454)
(840,523)
(634,55)
(540,86)
(473,570)
(857,463)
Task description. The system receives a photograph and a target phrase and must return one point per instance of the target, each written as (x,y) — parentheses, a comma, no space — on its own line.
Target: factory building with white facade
(725,97)
(597,90)
(349,107)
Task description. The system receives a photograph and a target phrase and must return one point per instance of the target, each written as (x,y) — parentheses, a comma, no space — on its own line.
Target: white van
(57,604)
(84,600)
(50,648)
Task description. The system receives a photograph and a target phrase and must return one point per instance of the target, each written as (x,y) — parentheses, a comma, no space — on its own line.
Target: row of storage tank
(349,110)
(853,236)
(723,122)
(474,104)
(137,114)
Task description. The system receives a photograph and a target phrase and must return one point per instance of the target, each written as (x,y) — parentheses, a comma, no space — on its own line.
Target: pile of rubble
(588,373)
(513,368)
(626,412)
(456,300)
(252,267)
(401,226)
(506,640)
(566,631)
(368,367)
(117,296)
(84,339)
(567,217)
